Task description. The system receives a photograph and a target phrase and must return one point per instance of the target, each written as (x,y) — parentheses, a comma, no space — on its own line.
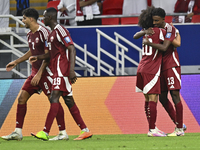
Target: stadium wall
(108,105)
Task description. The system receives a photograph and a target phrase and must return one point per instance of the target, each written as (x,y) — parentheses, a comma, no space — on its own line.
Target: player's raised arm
(161,47)
(141,33)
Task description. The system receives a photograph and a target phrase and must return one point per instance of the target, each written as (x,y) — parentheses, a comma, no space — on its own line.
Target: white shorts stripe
(177,74)
(68,85)
(58,68)
(175,59)
(150,85)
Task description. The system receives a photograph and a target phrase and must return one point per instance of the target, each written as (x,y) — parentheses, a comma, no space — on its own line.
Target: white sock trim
(18,130)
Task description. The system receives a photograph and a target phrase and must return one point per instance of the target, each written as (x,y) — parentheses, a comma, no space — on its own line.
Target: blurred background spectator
(192,7)
(89,7)
(67,8)
(133,7)
(21,5)
(167,5)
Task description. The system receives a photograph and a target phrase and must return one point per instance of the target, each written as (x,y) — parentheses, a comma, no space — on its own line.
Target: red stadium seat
(196,19)
(53,4)
(111,7)
(129,20)
(168,19)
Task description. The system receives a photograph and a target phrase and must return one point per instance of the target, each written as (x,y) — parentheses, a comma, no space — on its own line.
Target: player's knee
(69,101)
(22,100)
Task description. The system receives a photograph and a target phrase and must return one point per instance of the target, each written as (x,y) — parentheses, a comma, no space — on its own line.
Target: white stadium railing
(81,63)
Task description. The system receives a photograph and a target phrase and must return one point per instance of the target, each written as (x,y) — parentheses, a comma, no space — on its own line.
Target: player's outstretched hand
(72,77)
(10,66)
(32,59)
(145,41)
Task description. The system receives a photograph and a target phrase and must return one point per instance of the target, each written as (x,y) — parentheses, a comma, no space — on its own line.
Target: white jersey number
(147,50)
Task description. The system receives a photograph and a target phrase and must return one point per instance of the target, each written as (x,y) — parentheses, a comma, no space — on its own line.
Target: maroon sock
(146,109)
(170,110)
(153,114)
(60,118)
(179,115)
(50,117)
(77,117)
(21,112)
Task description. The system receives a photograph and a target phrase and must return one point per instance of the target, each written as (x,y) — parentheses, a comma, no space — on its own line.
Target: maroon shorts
(171,79)
(148,83)
(44,85)
(62,84)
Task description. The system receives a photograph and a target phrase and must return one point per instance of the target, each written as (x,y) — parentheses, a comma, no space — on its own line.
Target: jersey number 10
(147,50)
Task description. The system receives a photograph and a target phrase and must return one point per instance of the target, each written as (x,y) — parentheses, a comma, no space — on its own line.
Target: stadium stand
(112,8)
(196,19)
(39,5)
(168,19)
(53,4)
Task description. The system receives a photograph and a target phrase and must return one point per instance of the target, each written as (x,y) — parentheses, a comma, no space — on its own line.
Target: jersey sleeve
(44,33)
(171,33)
(64,36)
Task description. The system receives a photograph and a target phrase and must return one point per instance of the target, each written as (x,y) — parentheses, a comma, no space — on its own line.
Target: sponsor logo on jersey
(168,35)
(67,39)
(171,87)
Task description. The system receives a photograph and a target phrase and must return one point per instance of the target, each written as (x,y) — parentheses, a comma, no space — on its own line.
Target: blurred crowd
(83,11)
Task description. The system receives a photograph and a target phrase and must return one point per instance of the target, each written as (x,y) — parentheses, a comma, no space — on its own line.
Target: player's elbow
(135,37)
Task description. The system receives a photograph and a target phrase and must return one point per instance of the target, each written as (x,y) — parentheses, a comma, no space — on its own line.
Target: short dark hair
(31,12)
(52,11)
(145,18)
(159,12)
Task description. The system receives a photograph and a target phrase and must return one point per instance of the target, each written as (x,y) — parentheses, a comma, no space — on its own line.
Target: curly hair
(145,18)
(31,12)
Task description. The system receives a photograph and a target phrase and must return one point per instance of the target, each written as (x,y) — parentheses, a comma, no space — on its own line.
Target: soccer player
(62,55)
(171,73)
(40,78)
(149,68)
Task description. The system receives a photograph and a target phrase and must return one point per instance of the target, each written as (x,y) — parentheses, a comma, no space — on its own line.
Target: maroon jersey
(58,41)
(151,57)
(170,57)
(37,44)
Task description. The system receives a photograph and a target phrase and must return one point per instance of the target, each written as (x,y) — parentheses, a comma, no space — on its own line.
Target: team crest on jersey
(37,40)
(51,39)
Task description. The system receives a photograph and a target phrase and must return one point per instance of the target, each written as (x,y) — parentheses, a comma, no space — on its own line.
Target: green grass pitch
(191,141)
